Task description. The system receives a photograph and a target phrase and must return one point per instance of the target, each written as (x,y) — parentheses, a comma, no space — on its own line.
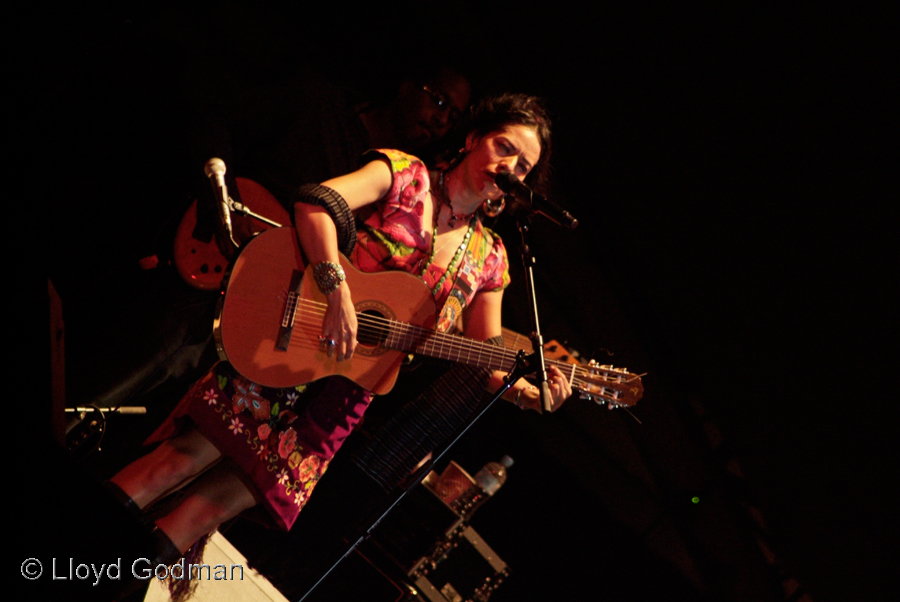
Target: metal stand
(523,366)
(537,340)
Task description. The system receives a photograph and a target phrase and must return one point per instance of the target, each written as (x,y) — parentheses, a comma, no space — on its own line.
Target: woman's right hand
(339,324)
(318,238)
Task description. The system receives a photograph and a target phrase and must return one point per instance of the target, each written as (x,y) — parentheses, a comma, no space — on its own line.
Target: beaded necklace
(451,222)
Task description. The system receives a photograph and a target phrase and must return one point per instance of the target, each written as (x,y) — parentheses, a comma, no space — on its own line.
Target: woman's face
(512,148)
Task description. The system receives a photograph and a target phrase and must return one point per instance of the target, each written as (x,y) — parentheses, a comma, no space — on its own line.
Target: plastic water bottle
(493,475)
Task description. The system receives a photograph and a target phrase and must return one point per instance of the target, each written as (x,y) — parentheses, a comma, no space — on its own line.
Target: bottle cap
(506,461)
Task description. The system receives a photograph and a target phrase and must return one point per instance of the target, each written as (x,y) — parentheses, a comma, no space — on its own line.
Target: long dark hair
(494,112)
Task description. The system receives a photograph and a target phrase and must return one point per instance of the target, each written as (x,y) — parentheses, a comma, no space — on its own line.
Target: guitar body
(251,333)
(200,261)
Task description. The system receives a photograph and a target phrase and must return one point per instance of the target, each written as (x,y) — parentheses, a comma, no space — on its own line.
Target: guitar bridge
(290,311)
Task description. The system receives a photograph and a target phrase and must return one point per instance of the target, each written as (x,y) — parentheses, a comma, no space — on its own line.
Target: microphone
(215,171)
(512,186)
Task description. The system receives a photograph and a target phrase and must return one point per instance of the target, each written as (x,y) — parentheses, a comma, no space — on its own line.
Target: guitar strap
(457,299)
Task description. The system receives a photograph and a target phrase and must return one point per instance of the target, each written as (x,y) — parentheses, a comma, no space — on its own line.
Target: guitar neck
(430,343)
(614,386)
(455,348)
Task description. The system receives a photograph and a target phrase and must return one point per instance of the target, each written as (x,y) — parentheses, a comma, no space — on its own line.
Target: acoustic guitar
(270,319)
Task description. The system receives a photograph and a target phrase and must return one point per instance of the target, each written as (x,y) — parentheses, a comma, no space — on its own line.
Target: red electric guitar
(199,258)
(270,319)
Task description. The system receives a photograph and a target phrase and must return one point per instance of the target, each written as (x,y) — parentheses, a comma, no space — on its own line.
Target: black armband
(336,206)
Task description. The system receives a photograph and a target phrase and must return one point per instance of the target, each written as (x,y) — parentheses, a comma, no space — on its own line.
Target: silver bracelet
(518,396)
(328,276)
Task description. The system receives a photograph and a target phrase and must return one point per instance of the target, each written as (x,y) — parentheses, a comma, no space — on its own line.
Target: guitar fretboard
(613,385)
(405,337)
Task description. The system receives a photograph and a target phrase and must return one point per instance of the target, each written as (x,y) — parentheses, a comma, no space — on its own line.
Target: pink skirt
(281,439)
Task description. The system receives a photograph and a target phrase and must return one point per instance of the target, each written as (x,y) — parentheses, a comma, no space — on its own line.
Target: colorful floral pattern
(255,415)
(273,434)
(394,237)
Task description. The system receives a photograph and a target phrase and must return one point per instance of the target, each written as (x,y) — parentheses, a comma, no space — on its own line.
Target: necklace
(456,256)
(454,263)
(444,198)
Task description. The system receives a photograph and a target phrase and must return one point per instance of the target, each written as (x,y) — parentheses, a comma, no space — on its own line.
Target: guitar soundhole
(372,328)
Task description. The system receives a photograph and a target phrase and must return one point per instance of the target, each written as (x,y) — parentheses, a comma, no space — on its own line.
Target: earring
(493,208)
(456,160)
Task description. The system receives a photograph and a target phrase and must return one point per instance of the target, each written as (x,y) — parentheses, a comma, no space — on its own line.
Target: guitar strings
(407,337)
(413,337)
(415,333)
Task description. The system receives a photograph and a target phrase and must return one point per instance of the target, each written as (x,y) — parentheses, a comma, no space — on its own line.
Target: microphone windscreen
(506,181)
(214,166)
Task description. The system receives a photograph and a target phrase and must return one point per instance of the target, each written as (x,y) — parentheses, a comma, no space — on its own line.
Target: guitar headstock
(616,387)
(604,384)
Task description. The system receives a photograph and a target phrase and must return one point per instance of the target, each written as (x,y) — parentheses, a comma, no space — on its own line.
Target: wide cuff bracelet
(328,276)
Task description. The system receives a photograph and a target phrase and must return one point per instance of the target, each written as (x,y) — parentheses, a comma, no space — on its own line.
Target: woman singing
(235,444)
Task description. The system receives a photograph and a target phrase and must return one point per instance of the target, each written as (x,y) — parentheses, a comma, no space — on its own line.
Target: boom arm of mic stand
(243,210)
(520,369)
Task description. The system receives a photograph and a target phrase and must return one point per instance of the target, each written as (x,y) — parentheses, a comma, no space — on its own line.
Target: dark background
(735,245)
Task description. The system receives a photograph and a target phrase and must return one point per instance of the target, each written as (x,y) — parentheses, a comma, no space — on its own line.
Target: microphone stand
(237,207)
(522,367)
(225,205)
(242,209)
(523,203)
(523,219)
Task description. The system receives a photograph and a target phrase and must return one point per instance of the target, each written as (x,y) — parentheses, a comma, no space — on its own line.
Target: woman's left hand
(560,388)
(529,396)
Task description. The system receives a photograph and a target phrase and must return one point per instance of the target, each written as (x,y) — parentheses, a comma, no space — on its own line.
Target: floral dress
(282,439)
(393,238)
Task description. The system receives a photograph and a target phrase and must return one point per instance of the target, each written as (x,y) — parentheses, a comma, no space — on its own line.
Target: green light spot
(695,499)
